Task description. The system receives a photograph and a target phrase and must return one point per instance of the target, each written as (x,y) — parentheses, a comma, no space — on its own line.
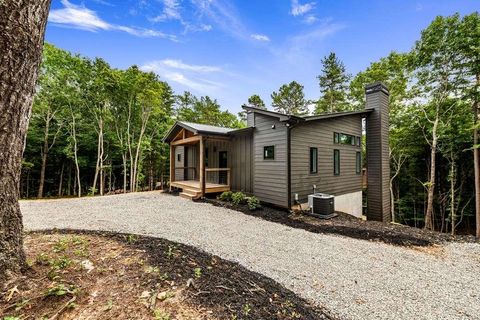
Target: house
(281,158)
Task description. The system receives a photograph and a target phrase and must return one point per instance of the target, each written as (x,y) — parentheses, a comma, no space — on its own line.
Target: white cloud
(301,9)
(224,15)
(187,75)
(171,11)
(310,19)
(80,17)
(260,37)
(303,47)
(178,64)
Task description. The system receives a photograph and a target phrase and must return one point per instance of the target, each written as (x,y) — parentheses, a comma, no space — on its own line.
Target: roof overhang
(362,113)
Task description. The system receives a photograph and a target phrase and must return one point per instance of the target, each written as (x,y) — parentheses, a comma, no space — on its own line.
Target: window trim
(358,162)
(335,164)
(310,162)
(265,152)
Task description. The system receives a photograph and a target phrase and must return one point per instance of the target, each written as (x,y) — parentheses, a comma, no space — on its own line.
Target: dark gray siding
(241,162)
(270,176)
(319,134)
(378,195)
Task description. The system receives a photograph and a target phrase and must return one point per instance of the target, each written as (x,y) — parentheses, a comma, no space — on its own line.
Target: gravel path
(353,279)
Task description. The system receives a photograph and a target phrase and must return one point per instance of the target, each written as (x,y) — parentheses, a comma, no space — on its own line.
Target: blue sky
(231,49)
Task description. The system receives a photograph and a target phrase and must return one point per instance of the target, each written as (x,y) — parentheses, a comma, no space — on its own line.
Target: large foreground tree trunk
(22,29)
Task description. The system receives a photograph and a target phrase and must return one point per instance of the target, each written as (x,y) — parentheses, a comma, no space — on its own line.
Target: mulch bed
(349,226)
(145,277)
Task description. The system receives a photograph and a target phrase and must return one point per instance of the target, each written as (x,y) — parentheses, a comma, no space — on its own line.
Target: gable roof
(202,129)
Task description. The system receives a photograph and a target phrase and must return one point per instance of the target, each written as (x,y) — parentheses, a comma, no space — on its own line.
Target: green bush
(238,198)
(226,196)
(253,203)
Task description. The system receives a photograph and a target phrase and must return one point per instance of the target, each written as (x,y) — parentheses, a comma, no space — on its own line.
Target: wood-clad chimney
(378,159)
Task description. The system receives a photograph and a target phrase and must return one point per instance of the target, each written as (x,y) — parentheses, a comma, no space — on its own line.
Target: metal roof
(198,128)
(205,128)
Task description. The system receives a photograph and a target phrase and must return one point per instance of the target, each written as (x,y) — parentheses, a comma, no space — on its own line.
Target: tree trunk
(44,157)
(22,28)
(60,181)
(476,163)
(431,186)
(75,153)
(453,180)
(98,165)
(124,159)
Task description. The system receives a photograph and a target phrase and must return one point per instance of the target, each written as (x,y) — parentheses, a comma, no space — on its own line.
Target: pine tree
(290,99)
(333,85)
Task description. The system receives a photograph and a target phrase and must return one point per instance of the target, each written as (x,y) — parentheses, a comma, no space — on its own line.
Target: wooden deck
(194,185)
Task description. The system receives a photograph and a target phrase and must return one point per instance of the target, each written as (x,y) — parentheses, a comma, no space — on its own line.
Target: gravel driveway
(353,279)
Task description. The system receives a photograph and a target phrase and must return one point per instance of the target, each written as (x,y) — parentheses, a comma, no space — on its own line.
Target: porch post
(202,167)
(172,165)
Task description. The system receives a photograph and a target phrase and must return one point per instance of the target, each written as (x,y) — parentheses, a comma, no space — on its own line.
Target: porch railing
(187,170)
(218,175)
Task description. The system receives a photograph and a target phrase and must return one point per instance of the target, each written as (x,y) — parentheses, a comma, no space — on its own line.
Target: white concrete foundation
(350,203)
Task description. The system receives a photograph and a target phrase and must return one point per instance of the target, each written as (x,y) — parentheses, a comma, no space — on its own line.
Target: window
(336,162)
(269,152)
(313,160)
(336,137)
(359,163)
(347,139)
(359,141)
(179,157)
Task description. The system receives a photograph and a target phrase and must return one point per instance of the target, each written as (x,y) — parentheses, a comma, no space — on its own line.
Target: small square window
(313,160)
(269,152)
(336,162)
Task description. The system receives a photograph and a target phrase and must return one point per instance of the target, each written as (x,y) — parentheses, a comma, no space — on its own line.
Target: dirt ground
(349,226)
(93,275)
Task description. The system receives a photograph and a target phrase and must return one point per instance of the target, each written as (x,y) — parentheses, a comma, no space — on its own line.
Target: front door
(222,163)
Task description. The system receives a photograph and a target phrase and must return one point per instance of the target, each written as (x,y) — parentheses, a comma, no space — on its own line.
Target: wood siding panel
(270,176)
(319,134)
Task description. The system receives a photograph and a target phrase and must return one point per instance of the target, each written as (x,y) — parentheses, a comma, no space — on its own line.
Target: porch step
(189,194)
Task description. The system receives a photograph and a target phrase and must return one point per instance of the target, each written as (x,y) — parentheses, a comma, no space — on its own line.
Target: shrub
(226,196)
(253,203)
(238,198)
